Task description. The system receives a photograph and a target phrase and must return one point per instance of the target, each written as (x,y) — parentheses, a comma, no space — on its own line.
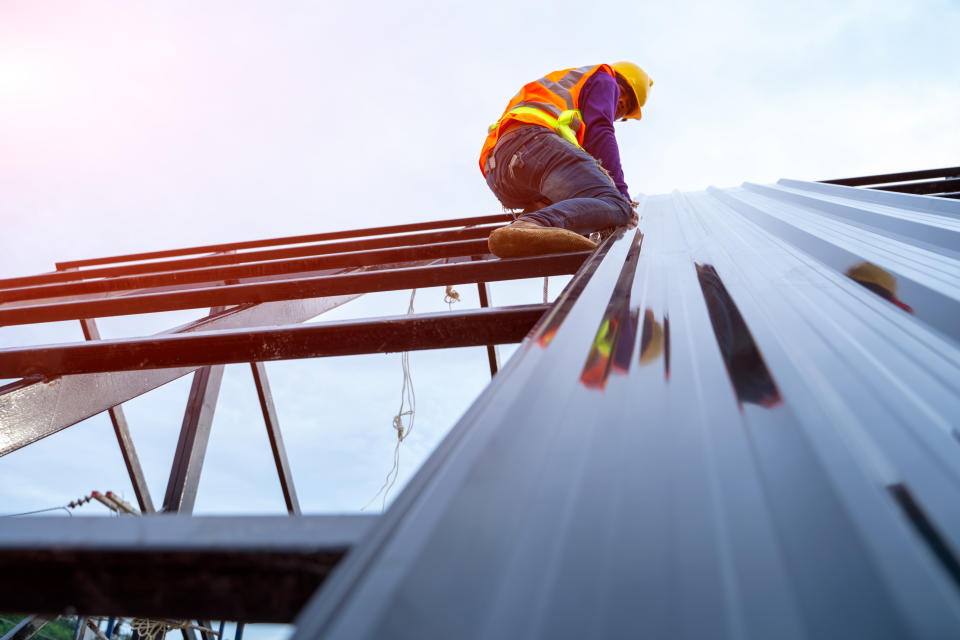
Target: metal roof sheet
(739,420)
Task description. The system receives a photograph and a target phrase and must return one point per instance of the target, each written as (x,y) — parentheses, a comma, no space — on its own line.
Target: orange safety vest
(553,102)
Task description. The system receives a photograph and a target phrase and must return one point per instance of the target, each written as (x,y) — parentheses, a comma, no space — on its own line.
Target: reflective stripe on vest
(562,86)
(567,124)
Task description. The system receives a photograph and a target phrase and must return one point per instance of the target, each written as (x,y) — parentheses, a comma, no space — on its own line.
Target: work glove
(634,217)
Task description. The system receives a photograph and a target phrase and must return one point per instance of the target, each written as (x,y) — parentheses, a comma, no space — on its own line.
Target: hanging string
(157,629)
(408,406)
(450,296)
(546,288)
(407,397)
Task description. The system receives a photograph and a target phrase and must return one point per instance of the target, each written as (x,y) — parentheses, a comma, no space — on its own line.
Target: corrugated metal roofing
(738,421)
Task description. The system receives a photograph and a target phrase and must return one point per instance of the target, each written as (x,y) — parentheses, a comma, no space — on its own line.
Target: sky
(129,127)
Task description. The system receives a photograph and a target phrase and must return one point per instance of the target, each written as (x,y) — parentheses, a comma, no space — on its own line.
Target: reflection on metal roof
(739,420)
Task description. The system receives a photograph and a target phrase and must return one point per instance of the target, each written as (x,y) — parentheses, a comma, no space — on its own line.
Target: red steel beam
(472,233)
(249,270)
(310,287)
(316,237)
(34,409)
(476,327)
(903,176)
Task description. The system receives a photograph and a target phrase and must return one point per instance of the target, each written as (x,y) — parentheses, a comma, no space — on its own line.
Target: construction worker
(554,155)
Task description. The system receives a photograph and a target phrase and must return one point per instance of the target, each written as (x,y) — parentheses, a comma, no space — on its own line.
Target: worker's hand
(634,216)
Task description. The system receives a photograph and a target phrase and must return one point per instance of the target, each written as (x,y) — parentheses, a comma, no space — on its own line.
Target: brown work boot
(523,238)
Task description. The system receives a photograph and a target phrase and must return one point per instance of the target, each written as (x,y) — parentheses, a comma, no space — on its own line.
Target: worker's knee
(622,208)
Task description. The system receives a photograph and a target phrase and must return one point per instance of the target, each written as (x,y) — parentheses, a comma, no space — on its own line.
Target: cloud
(136,127)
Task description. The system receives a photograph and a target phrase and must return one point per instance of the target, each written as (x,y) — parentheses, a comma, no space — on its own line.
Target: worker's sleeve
(598,106)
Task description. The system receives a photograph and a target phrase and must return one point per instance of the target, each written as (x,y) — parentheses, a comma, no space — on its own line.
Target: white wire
(408,399)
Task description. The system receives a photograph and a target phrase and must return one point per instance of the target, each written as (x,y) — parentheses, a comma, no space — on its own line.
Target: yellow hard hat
(638,80)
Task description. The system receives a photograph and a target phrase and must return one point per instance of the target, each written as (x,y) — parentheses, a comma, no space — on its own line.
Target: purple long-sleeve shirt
(598,106)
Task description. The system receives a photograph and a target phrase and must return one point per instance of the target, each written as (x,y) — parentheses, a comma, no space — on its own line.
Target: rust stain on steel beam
(30,411)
